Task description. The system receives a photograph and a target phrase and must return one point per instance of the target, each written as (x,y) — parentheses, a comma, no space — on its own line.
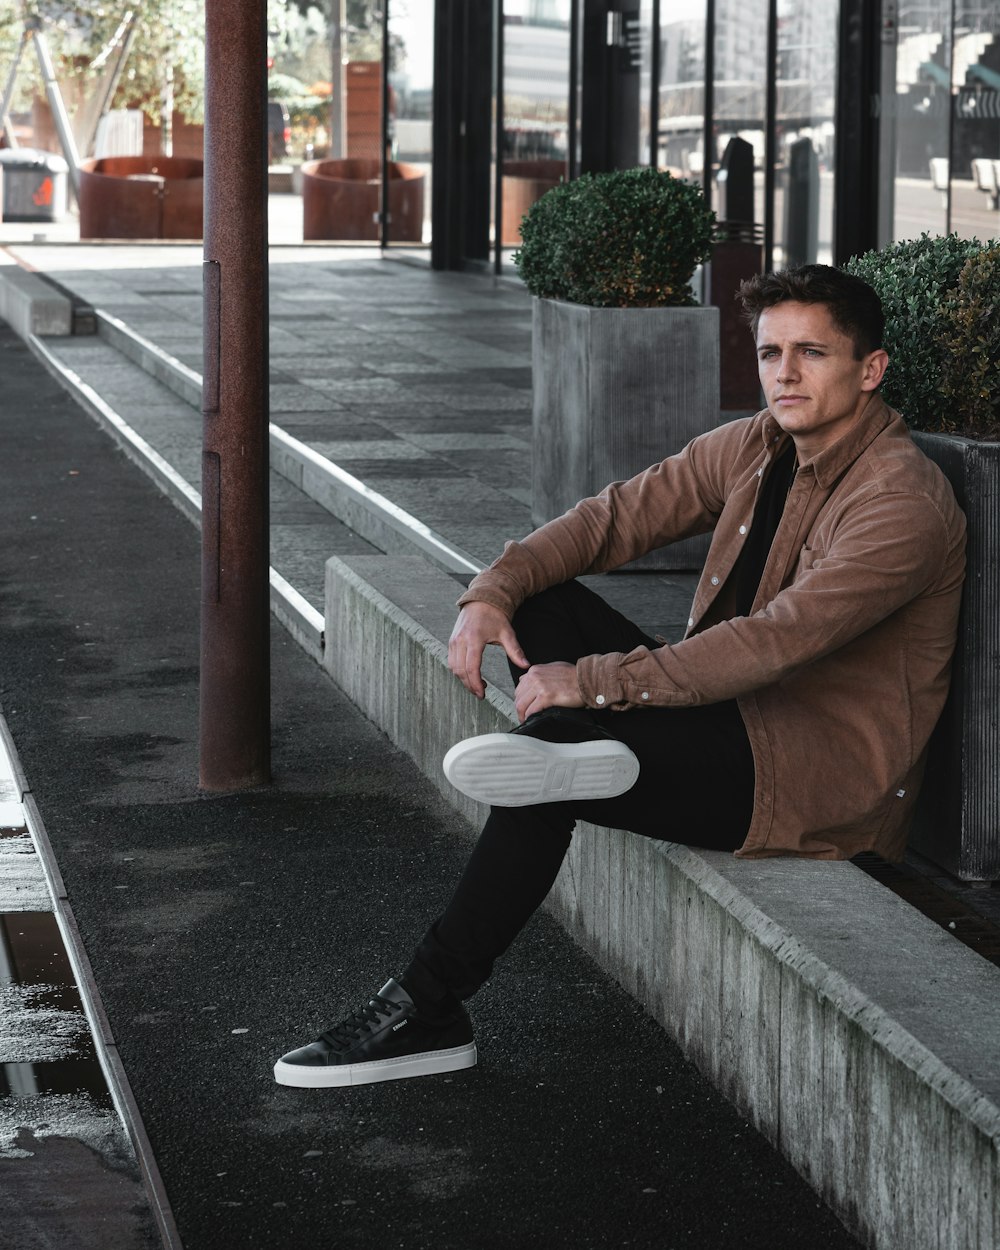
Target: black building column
(462,134)
(609,113)
(855,208)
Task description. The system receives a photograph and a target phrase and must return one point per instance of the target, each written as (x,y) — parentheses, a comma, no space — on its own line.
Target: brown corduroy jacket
(841,669)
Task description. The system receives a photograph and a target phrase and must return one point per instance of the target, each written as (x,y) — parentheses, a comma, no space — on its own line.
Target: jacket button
(743,529)
(600,700)
(690,621)
(714,581)
(760,472)
(645,694)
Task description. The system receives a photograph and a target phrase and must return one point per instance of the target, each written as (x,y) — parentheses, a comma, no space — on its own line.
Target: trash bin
(34,185)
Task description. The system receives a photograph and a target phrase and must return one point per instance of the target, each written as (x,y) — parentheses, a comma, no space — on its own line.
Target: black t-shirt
(749,566)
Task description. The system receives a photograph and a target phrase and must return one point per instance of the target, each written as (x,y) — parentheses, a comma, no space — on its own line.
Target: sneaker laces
(343,1035)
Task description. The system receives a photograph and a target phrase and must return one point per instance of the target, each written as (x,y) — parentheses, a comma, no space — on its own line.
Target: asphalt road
(224,930)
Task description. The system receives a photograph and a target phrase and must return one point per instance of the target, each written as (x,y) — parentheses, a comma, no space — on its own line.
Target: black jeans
(695,786)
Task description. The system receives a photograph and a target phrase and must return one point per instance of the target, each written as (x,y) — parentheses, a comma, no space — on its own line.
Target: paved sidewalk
(417,383)
(224,929)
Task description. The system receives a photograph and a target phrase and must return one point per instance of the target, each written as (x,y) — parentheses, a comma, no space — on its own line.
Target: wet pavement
(68,1175)
(224,929)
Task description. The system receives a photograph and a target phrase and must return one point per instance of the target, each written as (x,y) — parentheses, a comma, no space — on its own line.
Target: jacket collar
(831,463)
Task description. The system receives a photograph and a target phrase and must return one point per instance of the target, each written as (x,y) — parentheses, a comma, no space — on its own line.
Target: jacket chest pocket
(810,554)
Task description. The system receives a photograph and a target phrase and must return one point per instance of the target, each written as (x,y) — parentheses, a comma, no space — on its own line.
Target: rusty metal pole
(235,622)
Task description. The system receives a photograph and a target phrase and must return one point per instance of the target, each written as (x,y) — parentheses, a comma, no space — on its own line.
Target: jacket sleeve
(680,496)
(883,555)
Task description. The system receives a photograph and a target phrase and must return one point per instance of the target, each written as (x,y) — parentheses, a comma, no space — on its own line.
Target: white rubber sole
(513,770)
(426,1064)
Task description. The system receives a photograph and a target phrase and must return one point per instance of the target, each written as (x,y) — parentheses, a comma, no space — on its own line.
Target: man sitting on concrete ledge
(792,719)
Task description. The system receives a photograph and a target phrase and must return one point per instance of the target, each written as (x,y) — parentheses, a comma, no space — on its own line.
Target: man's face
(814,387)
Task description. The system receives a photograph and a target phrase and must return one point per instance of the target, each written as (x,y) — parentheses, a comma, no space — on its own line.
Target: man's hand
(547,685)
(478,625)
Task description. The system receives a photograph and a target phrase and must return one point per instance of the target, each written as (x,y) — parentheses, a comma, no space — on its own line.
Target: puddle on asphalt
(41,1015)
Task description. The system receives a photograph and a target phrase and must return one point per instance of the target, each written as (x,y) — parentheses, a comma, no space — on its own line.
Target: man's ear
(876,364)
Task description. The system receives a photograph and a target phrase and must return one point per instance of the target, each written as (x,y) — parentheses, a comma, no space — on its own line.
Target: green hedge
(941,296)
(627,239)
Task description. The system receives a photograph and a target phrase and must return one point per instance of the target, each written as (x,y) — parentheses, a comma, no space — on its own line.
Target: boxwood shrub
(941,296)
(626,239)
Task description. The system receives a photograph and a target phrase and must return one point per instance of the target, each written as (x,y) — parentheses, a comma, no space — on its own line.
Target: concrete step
(161,432)
(470,507)
(658,603)
(366,511)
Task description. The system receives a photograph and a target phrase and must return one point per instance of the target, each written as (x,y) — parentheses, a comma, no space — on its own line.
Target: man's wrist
(599,681)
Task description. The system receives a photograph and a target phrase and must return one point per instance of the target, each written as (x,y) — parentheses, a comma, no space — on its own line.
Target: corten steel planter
(734,260)
(958,815)
(524,182)
(616,390)
(141,197)
(341,200)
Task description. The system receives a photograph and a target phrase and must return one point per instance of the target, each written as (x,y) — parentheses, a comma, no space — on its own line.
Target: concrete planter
(341,200)
(141,197)
(958,818)
(616,390)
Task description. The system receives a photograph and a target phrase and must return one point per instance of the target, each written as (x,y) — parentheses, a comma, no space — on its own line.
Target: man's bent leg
(417,1026)
(557,763)
(509,874)
(695,786)
(569,621)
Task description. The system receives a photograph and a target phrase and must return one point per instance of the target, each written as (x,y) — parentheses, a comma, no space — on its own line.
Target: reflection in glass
(914,135)
(535,106)
(740,51)
(645,41)
(680,146)
(806,74)
(411,86)
(975,157)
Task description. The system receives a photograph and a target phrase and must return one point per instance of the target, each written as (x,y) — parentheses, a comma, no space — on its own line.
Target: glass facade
(804,131)
(939,130)
(533,140)
(749,98)
(916,121)
(411,92)
(975,130)
(739,96)
(680,145)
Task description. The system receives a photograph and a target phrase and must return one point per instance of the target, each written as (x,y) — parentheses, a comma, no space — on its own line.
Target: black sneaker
(384,1041)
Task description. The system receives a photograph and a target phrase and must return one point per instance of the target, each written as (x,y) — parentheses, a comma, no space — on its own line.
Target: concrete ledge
(173,373)
(298,616)
(859,1037)
(30,306)
(372,516)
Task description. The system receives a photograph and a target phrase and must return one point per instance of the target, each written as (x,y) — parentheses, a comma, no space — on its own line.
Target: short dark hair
(854,306)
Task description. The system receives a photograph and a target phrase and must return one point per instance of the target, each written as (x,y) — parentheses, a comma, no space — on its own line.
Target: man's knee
(554,601)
